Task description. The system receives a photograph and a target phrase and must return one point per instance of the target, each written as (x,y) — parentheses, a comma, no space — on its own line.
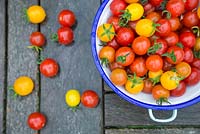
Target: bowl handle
(174,115)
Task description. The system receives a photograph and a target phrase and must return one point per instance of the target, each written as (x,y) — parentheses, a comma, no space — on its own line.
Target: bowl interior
(191,93)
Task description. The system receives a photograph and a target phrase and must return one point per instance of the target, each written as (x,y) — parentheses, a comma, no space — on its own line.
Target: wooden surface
(77,70)
(21,61)
(2,61)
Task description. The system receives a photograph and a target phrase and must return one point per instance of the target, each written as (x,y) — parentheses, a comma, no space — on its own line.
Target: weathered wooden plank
(77,70)
(154,131)
(2,60)
(119,112)
(21,61)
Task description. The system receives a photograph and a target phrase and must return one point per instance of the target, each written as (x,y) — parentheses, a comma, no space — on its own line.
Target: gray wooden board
(77,70)
(21,61)
(2,60)
(119,112)
(154,131)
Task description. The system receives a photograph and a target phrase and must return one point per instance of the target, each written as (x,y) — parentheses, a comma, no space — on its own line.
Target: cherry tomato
(172,39)
(66,18)
(175,7)
(170,80)
(191,4)
(117,6)
(166,65)
(114,21)
(132,24)
(37,39)
(124,56)
(198,12)
(160,94)
(36,14)
(187,39)
(125,36)
(190,19)
(148,86)
(113,43)
(155,76)
(164,29)
(175,23)
(106,32)
(118,77)
(174,55)
(141,45)
(159,47)
(36,121)
(156,2)
(138,66)
(179,91)
(154,16)
(72,98)
(115,65)
(90,99)
(148,8)
(131,1)
(64,36)
(134,85)
(154,63)
(197,44)
(23,86)
(183,69)
(107,55)
(49,67)
(135,10)
(193,78)
(188,55)
(196,63)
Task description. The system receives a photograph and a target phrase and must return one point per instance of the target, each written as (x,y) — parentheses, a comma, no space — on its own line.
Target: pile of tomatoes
(152,46)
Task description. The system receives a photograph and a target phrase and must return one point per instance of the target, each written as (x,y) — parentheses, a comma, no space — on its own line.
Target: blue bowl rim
(113,87)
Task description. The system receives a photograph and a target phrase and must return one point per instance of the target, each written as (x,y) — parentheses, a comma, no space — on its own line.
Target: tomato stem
(168,14)
(179,45)
(40,59)
(54,37)
(161,100)
(155,80)
(134,80)
(104,61)
(154,48)
(25,16)
(124,18)
(155,25)
(196,30)
(35,48)
(170,55)
(122,59)
(107,32)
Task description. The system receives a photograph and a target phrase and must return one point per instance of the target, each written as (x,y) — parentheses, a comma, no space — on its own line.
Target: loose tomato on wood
(141,45)
(72,98)
(36,121)
(66,18)
(49,67)
(90,99)
(37,39)
(118,77)
(125,36)
(179,91)
(124,56)
(138,66)
(154,63)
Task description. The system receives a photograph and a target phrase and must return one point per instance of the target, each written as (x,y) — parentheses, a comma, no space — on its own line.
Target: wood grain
(154,131)
(119,112)
(21,61)
(77,70)
(2,61)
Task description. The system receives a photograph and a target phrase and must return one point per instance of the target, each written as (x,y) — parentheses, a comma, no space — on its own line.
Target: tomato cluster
(152,46)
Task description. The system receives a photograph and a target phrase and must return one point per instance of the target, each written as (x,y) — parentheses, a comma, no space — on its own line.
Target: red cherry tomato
(115,65)
(167,66)
(148,8)
(176,55)
(37,39)
(187,39)
(148,86)
(65,35)
(179,91)
(117,6)
(163,46)
(160,92)
(154,63)
(36,121)
(66,18)
(114,21)
(193,78)
(113,43)
(196,63)
(49,67)
(191,4)
(156,2)
(172,39)
(175,7)
(164,29)
(90,99)
(188,55)
(141,45)
(125,36)
(154,16)
(190,19)
(138,66)
(175,23)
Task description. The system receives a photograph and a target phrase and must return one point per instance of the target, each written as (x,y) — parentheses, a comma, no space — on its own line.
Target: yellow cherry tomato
(145,27)
(23,86)
(183,69)
(198,12)
(134,85)
(131,1)
(136,11)
(106,32)
(170,80)
(72,98)
(36,14)
(155,76)
(197,44)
